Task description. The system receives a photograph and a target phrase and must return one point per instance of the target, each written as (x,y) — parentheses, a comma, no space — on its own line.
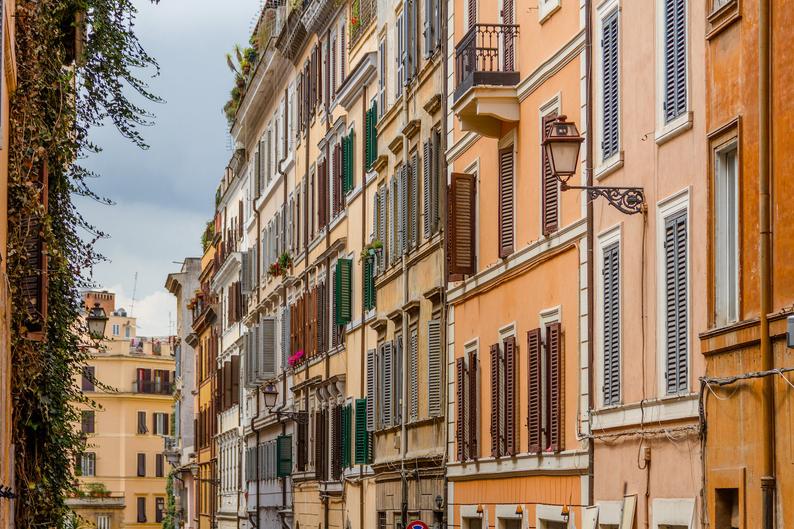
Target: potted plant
(371,249)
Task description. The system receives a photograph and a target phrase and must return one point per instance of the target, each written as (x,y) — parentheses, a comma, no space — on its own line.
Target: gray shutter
(434,368)
(371,383)
(247,354)
(375,215)
(245,272)
(404,197)
(392,220)
(285,335)
(609,66)
(611,312)
(675,89)
(675,270)
(427,188)
(414,201)
(428,28)
(387,375)
(268,330)
(382,224)
(399,352)
(413,352)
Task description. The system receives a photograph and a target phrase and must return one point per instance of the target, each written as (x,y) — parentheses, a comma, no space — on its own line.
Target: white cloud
(155,312)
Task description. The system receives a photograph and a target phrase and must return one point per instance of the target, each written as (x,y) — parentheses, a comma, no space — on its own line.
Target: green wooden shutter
(284,455)
(342,294)
(369,283)
(362,440)
(347,162)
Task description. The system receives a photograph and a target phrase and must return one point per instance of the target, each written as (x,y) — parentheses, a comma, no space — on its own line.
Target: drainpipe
(590,254)
(442,198)
(404,332)
(765,265)
(362,341)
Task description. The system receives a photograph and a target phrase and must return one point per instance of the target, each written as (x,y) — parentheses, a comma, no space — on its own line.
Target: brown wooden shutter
(227,385)
(321,445)
(460,433)
(506,201)
(239,218)
(303,429)
(496,432)
(336,448)
(473,406)
(141,465)
(321,318)
(549,185)
(462,223)
(235,369)
(511,387)
(555,394)
(472,13)
(322,199)
(534,389)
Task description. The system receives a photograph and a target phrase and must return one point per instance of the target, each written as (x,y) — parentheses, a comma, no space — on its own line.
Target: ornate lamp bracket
(628,200)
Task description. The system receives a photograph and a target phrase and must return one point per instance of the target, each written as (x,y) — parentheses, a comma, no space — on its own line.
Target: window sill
(674,128)
(546,12)
(609,166)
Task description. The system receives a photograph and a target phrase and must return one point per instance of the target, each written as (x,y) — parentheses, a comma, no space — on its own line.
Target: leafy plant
(370,249)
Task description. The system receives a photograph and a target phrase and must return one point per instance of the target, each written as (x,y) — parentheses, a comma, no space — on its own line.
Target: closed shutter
(87,421)
(245,268)
(472,407)
(141,508)
(302,445)
(364,408)
(141,465)
(159,468)
(227,385)
(611,330)
(555,393)
(371,392)
(610,76)
(534,411)
(393,207)
(549,185)
(509,36)
(284,455)
(311,322)
(472,12)
(676,301)
(401,211)
(369,283)
(336,189)
(497,434)
(462,224)
(333,68)
(268,330)
(399,353)
(460,408)
(387,379)
(235,380)
(322,178)
(427,186)
(506,201)
(344,271)
(675,81)
(434,368)
(239,219)
(511,387)
(285,336)
(414,185)
(413,377)
(320,445)
(336,442)
(382,225)
(428,28)
(321,323)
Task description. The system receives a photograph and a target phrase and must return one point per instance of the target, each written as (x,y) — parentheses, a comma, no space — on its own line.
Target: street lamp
(561,145)
(270,394)
(97,321)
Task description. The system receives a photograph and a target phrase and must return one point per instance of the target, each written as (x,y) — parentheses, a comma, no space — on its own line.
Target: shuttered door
(496,407)
(675,81)
(675,278)
(555,393)
(387,379)
(534,412)
(610,76)
(434,368)
(460,409)
(611,330)
(506,201)
(472,406)
(371,392)
(363,415)
(510,399)
(462,224)
(413,378)
(549,185)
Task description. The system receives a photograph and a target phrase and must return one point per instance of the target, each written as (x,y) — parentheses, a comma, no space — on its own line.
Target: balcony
(363,12)
(152,387)
(486,78)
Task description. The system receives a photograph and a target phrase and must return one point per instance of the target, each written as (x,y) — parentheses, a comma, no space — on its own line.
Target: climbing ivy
(170,507)
(56,102)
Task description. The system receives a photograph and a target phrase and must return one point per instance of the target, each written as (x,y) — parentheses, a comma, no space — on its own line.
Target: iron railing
(487,55)
(362,13)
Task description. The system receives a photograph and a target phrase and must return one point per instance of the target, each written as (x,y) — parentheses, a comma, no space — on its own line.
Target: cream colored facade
(123,470)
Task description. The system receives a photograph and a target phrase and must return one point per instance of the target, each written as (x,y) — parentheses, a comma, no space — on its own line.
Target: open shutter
(388,377)
(511,385)
(371,389)
(401,209)
(364,409)
(321,445)
(549,185)
(428,28)
(369,283)
(413,378)
(268,330)
(347,412)
(462,223)
(473,406)
(676,333)
(382,224)
(399,354)
(496,404)
(344,271)
(285,336)
(555,393)
(472,13)
(227,385)
(610,92)
(141,465)
(611,330)
(534,412)
(506,201)
(336,442)
(434,368)
(320,323)
(460,409)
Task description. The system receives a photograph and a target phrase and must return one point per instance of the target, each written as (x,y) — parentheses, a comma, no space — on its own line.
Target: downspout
(765,265)
(362,341)
(442,198)
(590,254)
(404,332)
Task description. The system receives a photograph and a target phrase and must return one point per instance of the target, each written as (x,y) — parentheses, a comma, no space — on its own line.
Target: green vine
(170,509)
(51,112)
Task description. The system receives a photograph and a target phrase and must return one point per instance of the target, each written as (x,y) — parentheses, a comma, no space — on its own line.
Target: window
(503,396)
(610,318)
(116,329)
(159,508)
(726,506)
(610,85)
(399,55)
(545,385)
(674,33)
(726,236)
(127,331)
(141,459)
(87,421)
(160,421)
(141,504)
(88,378)
(142,429)
(159,467)
(103,521)
(546,8)
(382,76)
(88,464)
(675,296)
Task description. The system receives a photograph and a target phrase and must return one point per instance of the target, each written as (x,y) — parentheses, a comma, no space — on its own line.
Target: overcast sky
(165,195)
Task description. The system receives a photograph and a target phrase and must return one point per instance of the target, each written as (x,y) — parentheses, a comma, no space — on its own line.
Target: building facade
(131,378)
(179,448)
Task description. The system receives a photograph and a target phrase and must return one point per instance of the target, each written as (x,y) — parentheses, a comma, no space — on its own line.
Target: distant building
(122,472)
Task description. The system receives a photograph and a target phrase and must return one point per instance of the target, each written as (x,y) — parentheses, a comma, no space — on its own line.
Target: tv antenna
(134,290)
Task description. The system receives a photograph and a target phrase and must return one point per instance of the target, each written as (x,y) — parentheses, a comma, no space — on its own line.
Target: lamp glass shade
(270,394)
(97,321)
(563,155)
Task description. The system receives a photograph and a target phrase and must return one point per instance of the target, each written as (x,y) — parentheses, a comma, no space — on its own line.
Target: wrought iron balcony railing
(487,55)
(362,13)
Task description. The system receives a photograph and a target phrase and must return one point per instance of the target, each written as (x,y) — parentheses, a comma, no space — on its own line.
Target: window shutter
(159,468)
(303,430)
(344,268)
(284,455)
(235,380)
(428,28)
(364,414)
(472,11)
(506,201)
(413,377)
(509,36)
(369,283)
(321,445)
(534,414)
(285,336)
(610,76)
(347,412)
(142,422)
(462,223)
(141,518)
(392,220)
(460,410)
(434,368)
(473,406)
(414,185)
(239,219)
(34,284)
(549,184)
(555,395)
(399,353)
(510,385)
(675,278)
(388,374)
(382,225)
(400,209)
(427,186)
(371,389)
(675,89)
(227,385)
(611,314)
(496,407)
(268,330)
(336,442)
(141,465)
(321,320)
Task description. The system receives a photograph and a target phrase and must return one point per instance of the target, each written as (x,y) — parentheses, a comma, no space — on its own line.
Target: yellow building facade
(123,471)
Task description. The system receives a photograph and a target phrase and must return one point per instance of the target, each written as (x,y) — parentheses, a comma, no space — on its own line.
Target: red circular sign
(417,525)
